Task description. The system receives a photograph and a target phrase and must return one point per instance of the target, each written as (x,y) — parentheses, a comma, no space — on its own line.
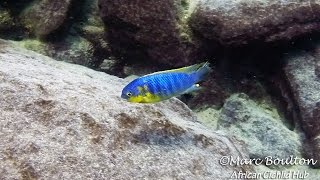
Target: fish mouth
(123,96)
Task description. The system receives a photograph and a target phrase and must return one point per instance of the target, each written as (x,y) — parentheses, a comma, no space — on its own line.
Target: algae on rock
(34,45)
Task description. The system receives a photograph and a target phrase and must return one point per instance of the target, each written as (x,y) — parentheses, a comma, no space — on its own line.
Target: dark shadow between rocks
(74,16)
(15,6)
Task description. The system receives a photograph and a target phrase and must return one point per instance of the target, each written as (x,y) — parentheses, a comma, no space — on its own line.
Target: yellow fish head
(139,94)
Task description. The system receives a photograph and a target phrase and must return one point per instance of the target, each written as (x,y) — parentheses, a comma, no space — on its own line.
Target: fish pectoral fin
(193,88)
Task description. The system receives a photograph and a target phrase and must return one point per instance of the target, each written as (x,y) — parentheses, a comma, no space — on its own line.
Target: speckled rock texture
(64,121)
(178,32)
(260,128)
(153,30)
(239,22)
(45,16)
(301,72)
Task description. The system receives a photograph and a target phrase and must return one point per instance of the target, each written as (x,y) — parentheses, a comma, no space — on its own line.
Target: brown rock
(154,30)
(60,120)
(240,22)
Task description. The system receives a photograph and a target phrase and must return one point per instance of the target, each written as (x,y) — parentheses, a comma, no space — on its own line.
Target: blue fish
(163,85)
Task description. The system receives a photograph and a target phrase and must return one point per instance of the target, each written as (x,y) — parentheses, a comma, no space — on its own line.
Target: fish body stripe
(156,84)
(182,82)
(152,84)
(177,83)
(165,86)
(173,84)
(168,84)
(163,82)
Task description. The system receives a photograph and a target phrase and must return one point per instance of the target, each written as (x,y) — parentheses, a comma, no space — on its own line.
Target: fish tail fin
(202,72)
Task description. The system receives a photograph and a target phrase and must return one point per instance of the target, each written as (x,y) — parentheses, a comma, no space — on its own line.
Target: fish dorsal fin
(188,69)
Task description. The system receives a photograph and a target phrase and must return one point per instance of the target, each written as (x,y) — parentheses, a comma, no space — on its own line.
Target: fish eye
(129,94)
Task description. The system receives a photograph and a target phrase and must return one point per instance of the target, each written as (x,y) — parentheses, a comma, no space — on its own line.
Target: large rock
(45,17)
(63,121)
(301,72)
(231,22)
(260,128)
(154,30)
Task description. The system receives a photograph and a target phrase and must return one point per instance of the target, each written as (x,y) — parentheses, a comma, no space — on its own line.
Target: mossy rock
(75,50)
(44,17)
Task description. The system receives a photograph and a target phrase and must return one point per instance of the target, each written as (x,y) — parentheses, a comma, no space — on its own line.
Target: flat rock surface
(64,121)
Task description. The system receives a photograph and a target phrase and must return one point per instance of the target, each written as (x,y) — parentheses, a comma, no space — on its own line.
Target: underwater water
(176,89)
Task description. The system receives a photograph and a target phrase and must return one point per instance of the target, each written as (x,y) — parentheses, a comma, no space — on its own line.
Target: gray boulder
(44,17)
(240,22)
(261,129)
(301,72)
(64,121)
